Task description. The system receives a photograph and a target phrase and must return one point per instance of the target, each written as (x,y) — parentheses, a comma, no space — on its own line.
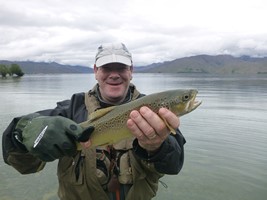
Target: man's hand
(50,137)
(149,128)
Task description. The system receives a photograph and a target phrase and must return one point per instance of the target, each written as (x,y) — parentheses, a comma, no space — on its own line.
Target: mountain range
(219,64)
(30,67)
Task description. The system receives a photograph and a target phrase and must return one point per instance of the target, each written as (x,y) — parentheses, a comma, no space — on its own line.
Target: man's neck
(105,103)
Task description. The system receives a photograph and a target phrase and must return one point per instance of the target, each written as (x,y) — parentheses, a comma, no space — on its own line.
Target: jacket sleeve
(20,159)
(169,158)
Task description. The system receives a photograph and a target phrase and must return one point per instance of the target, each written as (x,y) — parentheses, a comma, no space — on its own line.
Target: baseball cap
(113,53)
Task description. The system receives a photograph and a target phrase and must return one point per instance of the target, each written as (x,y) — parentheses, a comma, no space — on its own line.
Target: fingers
(150,144)
(154,122)
(149,128)
(140,126)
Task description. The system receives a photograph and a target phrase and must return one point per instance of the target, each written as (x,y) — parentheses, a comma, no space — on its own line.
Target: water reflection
(226,136)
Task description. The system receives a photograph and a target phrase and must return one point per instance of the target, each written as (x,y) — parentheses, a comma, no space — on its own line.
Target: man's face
(114,80)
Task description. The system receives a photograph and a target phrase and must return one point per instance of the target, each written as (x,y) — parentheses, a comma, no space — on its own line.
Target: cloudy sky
(69,31)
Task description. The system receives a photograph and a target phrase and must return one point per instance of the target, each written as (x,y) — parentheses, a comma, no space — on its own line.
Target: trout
(109,124)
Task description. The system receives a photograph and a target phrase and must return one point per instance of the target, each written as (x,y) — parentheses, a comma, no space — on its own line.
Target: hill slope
(221,64)
(29,67)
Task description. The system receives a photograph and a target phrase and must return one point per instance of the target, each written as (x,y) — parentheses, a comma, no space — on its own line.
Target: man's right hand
(51,137)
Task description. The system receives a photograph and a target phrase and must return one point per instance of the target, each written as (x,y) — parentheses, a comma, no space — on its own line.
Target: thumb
(72,128)
(79,134)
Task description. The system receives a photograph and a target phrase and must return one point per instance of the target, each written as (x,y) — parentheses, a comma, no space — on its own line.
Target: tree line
(13,69)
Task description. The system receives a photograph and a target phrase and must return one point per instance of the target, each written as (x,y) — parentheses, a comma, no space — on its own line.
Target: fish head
(184,101)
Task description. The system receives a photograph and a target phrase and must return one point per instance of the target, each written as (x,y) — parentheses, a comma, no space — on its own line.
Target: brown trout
(110,123)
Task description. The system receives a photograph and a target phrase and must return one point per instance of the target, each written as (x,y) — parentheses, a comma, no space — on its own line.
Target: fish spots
(111,123)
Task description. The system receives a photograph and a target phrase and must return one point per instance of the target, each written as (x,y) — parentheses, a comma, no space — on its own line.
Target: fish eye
(186,97)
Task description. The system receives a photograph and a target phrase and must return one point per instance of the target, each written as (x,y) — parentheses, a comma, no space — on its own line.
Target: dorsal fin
(100,113)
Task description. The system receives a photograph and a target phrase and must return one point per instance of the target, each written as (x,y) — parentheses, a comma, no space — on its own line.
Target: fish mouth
(194,103)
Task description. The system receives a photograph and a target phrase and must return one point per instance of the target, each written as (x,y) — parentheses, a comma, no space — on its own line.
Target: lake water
(226,149)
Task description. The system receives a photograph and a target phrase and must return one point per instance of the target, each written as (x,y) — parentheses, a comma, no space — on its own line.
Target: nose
(114,75)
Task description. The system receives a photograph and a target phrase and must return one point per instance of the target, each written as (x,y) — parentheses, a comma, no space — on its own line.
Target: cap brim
(113,59)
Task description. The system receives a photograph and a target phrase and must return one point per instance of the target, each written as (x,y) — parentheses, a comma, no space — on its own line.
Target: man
(129,169)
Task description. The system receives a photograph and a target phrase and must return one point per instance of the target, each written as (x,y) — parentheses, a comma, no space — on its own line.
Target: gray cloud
(154,31)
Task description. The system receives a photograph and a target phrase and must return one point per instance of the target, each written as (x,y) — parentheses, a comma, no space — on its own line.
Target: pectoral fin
(172,130)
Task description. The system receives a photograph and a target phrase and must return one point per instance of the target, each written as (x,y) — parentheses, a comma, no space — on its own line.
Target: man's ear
(95,71)
(95,68)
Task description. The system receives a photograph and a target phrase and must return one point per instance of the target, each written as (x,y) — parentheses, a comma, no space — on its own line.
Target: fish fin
(172,130)
(100,113)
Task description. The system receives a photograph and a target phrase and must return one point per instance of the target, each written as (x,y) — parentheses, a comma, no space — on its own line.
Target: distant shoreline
(201,64)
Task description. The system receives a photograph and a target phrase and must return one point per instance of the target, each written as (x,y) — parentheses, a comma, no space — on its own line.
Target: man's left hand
(149,128)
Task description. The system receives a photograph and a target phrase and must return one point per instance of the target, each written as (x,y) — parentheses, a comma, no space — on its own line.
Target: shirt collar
(105,104)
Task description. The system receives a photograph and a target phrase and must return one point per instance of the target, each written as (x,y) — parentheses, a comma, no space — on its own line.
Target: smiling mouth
(114,84)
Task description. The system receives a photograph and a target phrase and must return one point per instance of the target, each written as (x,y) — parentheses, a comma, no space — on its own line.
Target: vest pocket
(70,169)
(125,169)
(103,167)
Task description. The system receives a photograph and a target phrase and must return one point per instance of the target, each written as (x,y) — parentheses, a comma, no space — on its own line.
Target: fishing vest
(107,173)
